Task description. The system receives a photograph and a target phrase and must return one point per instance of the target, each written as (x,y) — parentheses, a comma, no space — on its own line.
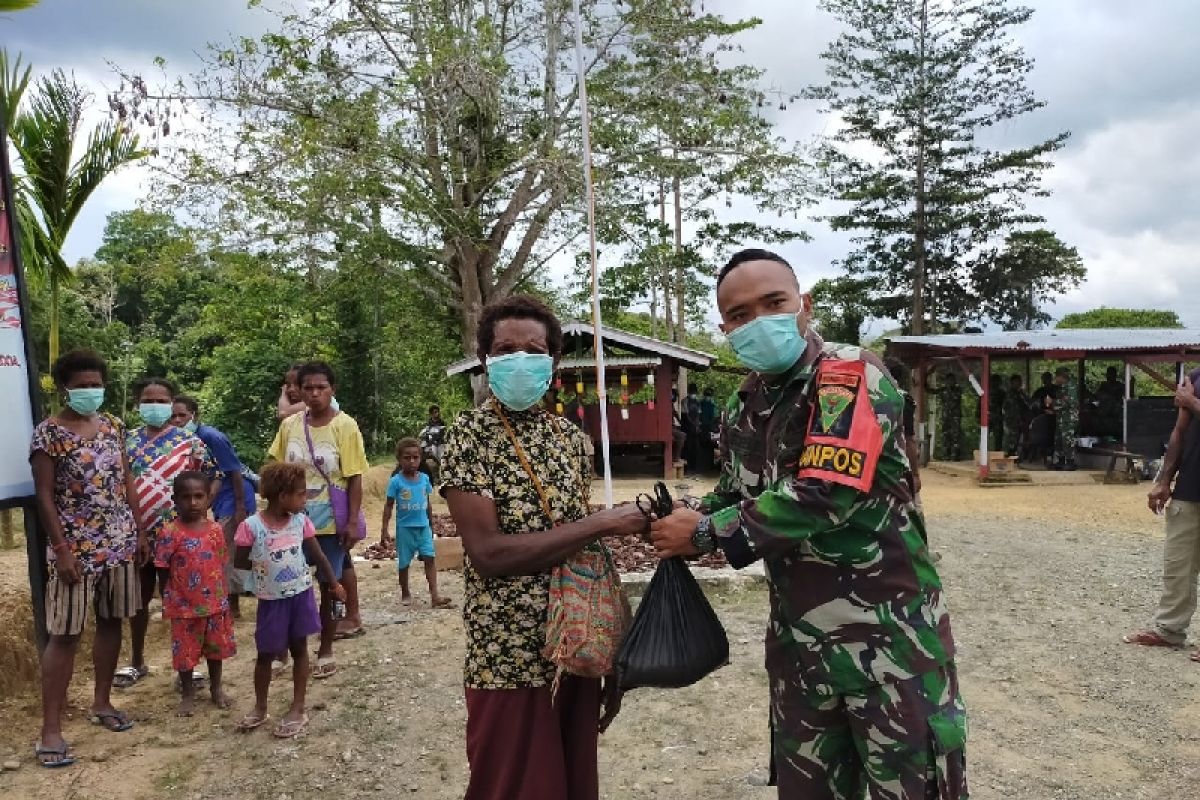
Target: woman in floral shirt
(522,743)
(157,452)
(86,504)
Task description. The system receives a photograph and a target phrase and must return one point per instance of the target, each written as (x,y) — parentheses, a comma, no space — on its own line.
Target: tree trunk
(472,310)
(917,323)
(54,310)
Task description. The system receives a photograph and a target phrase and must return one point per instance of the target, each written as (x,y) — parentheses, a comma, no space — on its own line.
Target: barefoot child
(409,492)
(190,556)
(273,544)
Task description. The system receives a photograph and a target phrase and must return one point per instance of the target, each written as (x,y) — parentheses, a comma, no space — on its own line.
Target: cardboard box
(448,552)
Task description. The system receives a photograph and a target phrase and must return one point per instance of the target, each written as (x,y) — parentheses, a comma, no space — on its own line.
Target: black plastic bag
(676,638)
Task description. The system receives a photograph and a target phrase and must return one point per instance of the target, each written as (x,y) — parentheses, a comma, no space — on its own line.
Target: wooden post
(1125,408)
(922,401)
(666,412)
(984,450)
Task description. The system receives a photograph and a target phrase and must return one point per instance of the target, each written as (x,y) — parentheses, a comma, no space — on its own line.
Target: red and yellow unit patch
(844,439)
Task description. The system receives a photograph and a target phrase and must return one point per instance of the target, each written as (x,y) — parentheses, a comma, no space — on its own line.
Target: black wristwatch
(703,538)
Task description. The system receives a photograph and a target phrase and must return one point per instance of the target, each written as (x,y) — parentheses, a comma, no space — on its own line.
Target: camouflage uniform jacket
(855,599)
(1066,403)
(1016,408)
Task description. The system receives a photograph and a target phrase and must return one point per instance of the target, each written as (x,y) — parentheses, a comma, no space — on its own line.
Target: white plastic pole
(601,385)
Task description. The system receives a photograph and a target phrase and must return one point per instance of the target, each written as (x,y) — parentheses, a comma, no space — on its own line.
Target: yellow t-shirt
(339,449)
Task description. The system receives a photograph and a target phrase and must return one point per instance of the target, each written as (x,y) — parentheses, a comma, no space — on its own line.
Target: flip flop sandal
(105,718)
(126,677)
(351,634)
(1148,639)
(444,602)
(325,668)
(252,722)
(291,728)
(63,758)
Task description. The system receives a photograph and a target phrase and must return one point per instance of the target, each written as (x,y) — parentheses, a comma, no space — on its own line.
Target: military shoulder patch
(844,439)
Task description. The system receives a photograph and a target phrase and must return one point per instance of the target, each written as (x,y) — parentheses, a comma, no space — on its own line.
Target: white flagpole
(601,386)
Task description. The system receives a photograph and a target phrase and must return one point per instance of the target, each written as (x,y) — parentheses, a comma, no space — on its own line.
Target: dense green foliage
(226,326)
(1105,317)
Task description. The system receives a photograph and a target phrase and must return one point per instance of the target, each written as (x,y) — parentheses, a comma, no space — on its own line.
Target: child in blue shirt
(408,492)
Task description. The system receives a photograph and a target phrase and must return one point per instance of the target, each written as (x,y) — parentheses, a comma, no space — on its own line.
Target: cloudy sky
(1121,76)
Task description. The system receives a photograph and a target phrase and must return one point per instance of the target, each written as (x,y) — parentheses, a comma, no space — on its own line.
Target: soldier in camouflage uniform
(859,652)
(1066,412)
(1016,412)
(949,435)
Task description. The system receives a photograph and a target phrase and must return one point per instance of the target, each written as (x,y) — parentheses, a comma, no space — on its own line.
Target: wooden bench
(1129,475)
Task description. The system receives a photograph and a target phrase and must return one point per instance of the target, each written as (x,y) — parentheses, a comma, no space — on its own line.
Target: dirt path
(1041,582)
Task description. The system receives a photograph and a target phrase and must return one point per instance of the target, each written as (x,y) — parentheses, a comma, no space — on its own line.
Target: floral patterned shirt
(156,460)
(505,617)
(196,557)
(89,492)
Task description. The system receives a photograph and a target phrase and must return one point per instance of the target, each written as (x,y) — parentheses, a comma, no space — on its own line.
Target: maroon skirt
(522,744)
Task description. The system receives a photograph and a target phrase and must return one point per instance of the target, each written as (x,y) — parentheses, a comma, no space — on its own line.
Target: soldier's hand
(672,536)
(1159,495)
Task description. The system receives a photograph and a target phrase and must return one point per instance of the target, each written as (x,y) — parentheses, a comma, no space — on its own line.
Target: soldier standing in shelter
(814,481)
(996,398)
(1110,396)
(949,395)
(1016,414)
(1066,424)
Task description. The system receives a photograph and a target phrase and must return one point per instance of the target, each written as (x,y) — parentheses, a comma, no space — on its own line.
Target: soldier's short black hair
(747,255)
(1063,371)
(1015,379)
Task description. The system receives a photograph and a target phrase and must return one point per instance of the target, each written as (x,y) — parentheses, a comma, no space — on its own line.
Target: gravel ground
(1041,582)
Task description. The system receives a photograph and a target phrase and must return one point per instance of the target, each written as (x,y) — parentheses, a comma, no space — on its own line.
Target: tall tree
(689,130)
(1033,267)
(841,307)
(915,83)
(463,116)
(55,185)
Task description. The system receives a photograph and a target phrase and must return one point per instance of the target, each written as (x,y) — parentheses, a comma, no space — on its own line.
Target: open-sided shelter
(1146,424)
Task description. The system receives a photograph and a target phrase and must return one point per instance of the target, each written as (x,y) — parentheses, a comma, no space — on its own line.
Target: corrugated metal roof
(623,339)
(1128,340)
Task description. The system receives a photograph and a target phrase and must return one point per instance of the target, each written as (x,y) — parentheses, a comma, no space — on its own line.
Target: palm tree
(54,186)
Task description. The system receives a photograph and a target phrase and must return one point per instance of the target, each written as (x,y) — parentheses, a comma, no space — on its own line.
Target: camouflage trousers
(1013,430)
(1064,438)
(893,741)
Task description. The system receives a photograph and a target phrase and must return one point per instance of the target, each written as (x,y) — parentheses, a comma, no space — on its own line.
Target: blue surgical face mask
(85,402)
(519,380)
(769,345)
(191,427)
(155,414)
